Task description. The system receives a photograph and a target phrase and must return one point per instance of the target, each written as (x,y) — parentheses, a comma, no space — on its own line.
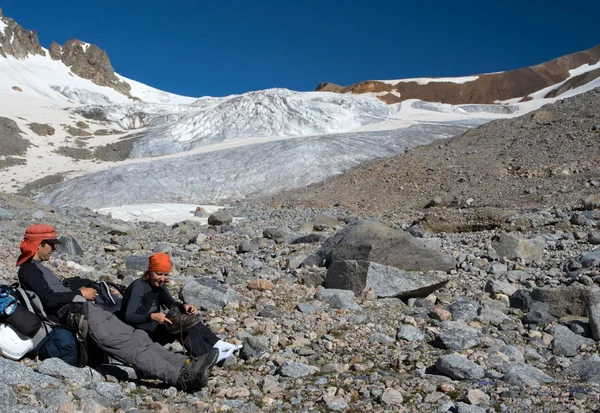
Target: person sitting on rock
(141,306)
(105,329)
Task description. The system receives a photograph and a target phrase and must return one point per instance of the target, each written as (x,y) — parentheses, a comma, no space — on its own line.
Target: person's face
(45,251)
(158,278)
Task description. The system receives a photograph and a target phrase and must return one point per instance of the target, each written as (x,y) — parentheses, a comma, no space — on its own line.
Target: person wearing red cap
(141,308)
(109,333)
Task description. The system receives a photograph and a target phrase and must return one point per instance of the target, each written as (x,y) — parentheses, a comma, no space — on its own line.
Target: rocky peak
(89,62)
(16,41)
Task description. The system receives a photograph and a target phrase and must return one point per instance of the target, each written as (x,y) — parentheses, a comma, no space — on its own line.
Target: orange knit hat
(34,235)
(159,262)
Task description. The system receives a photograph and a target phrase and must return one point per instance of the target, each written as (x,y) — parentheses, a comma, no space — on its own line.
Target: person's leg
(161,335)
(133,346)
(197,341)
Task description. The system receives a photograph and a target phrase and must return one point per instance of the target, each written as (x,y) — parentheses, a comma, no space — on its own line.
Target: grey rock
(513,353)
(462,407)
(326,220)
(247,246)
(499,287)
(594,237)
(137,262)
(220,217)
(5,215)
(278,235)
(111,391)
(296,370)
(69,246)
(13,373)
(586,370)
(270,311)
(491,316)
(52,398)
(457,336)
(521,299)
(515,276)
(307,308)
(338,299)
(7,396)
(55,367)
(513,247)
(459,367)
(496,268)
(208,294)
(463,310)
(521,374)
(590,260)
(566,343)
(593,311)
(380,338)
(409,333)
(386,281)
(371,241)
(538,316)
(563,301)
(313,238)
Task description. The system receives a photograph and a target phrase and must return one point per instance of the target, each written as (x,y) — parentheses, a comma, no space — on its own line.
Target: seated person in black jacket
(107,332)
(141,309)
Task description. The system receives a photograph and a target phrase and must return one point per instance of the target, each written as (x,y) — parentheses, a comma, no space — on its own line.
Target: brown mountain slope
(486,89)
(550,157)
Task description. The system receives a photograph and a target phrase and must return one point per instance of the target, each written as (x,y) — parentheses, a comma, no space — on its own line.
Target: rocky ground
(477,344)
(494,259)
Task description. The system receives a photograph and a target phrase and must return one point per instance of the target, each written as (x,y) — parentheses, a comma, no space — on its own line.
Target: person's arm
(167,299)
(132,313)
(75,283)
(31,278)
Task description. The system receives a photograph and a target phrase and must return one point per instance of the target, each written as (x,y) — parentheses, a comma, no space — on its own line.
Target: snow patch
(3,26)
(426,80)
(168,214)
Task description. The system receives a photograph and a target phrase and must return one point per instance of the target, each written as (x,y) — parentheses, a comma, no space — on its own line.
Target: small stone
(476,396)
(409,333)
(392,397)
(459,367)
(438,313)
(260,285)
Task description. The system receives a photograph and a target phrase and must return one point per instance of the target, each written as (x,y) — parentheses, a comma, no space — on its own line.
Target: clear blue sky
(220,47)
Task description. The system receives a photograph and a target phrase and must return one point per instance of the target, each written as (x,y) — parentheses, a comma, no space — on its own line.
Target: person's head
(38,243)
(159,268)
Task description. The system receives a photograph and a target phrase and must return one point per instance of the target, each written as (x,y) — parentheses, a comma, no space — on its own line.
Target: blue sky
(216,48)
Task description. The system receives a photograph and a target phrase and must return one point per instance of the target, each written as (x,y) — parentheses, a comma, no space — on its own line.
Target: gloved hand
(226,349)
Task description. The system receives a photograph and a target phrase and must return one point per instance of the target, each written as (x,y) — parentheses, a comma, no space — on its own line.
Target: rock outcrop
(16,41)
(89,62)
(486,88)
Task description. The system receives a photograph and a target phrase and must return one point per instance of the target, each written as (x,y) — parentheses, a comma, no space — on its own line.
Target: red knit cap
(159,262)
(34,235)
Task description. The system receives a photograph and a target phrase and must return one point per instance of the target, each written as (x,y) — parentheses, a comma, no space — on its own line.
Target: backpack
(25,328)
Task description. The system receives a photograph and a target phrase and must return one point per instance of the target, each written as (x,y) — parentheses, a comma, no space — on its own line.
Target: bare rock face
(89,62)
(17,42)
(485,88)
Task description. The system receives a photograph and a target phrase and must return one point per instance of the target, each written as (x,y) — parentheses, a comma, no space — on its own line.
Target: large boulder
(385,281)
(371,241)
(208,294)
(513,247)
(220,217)
(563,301)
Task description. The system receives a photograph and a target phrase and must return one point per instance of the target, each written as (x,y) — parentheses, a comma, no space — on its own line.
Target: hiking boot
(180,321)
(195,372)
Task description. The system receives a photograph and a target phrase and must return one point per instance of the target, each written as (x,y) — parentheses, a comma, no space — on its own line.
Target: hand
(88,293)
(190,309)
(160,318)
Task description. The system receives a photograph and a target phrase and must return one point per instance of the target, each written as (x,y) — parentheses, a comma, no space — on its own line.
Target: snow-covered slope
(156,146)
(41,77)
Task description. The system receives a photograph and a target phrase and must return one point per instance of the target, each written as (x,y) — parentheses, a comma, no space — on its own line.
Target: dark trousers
(198,340)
